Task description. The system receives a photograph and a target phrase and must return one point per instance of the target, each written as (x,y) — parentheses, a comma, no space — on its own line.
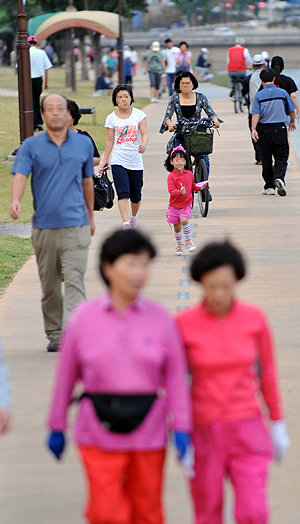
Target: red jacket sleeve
(171,186)
(268,372)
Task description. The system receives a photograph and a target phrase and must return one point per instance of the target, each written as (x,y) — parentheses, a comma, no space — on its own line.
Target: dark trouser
(256,145)
(37,88)
(170,77)
(273,143)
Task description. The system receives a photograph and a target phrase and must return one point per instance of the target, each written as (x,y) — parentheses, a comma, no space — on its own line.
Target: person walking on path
(127,138)
(238,61)
(39,66)
(251,84)
(74,117)
(61,163)
(235,391)
(155,66)
(285,82)
(181,186)
(5,400)
(269,110)
(183,58)
(169,56)
(126,353)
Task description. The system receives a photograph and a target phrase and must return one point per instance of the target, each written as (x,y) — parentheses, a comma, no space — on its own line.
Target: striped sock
(187,232)
(178,237)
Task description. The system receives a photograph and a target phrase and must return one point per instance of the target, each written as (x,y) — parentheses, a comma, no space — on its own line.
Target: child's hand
(182,190)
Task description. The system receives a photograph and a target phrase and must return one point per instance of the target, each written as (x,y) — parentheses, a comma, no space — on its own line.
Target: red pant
(241,451)
(125,487)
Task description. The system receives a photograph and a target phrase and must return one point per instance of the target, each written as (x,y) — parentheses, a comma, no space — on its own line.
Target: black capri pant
(128,183)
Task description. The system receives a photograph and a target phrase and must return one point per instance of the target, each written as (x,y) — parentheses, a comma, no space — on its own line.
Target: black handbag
(103,192)
(121,413)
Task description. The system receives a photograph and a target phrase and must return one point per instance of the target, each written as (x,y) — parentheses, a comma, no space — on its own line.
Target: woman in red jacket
(238,420)
(180,186)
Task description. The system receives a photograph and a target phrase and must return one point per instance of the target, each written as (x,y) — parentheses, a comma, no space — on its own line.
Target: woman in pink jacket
(238,420)
(126,353)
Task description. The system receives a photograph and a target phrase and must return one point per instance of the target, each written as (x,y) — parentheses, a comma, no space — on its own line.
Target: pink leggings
(241,451)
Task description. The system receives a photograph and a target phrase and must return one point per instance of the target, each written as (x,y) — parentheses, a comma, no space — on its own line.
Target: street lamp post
(120,42)
(24,78)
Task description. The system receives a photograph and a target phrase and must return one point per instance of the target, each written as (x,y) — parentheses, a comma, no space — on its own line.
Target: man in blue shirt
(270,108)
(61,163)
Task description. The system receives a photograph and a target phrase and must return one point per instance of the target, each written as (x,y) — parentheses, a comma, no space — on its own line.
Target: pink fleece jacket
(232,363)
(137,351)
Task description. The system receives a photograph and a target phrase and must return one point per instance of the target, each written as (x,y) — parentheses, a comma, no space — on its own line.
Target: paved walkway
(36,489)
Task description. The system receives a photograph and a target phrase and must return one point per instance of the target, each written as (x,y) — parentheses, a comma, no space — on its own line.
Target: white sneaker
(153,99)
(132,221)
(268,191)
(126,225)
(179,251)
(280,187)
(190,245)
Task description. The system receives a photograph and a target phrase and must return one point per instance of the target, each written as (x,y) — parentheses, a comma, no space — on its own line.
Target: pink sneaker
(132,221)
(179,251)
(190,245)
(126,225)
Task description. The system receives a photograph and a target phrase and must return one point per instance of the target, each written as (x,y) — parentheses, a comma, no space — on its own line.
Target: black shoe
(231,92)
(280,187)
(258,163)
(52,347)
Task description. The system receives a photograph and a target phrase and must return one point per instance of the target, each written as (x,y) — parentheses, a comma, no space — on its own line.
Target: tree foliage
(8,10)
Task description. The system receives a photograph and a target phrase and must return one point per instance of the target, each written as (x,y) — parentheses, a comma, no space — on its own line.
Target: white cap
(204,50)
(155,46)
(265,54)
(239,40)
(258,60)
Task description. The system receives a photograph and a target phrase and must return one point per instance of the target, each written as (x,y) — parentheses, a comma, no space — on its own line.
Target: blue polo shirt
(272,104)
(56,181)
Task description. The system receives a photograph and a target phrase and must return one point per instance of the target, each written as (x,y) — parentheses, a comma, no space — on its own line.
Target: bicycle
(237,97)
(198,138)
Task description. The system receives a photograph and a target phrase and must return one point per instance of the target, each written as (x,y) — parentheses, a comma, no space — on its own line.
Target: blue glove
(56,443)
(182,442)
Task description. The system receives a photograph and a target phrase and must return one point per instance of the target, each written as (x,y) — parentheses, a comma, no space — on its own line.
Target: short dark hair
(183,42)
(123,242)
(267,75)
(185,74)
(121,87)
(50,94)
(218,254)
(169,167)
(168,40)
(74,111)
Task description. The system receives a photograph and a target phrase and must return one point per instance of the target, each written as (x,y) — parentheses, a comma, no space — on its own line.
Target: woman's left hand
(142,148)
(216,122)
(280,438)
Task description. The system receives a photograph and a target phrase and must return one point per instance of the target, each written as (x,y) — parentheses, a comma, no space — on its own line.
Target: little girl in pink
(180,186)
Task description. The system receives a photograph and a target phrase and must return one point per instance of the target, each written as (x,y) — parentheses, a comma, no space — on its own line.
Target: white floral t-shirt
(127,139)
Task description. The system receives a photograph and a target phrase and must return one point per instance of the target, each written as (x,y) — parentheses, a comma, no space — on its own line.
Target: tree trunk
(97,61)
(68,56)
(70,61)
(84,71)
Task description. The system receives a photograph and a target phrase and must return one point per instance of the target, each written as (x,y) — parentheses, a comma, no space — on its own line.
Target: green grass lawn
(221,79)
(14,251)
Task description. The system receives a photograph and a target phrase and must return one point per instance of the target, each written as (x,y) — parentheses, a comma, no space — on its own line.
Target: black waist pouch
(121,413)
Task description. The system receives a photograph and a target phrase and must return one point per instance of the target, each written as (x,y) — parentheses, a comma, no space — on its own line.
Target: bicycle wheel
(236,97)
(200,174)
